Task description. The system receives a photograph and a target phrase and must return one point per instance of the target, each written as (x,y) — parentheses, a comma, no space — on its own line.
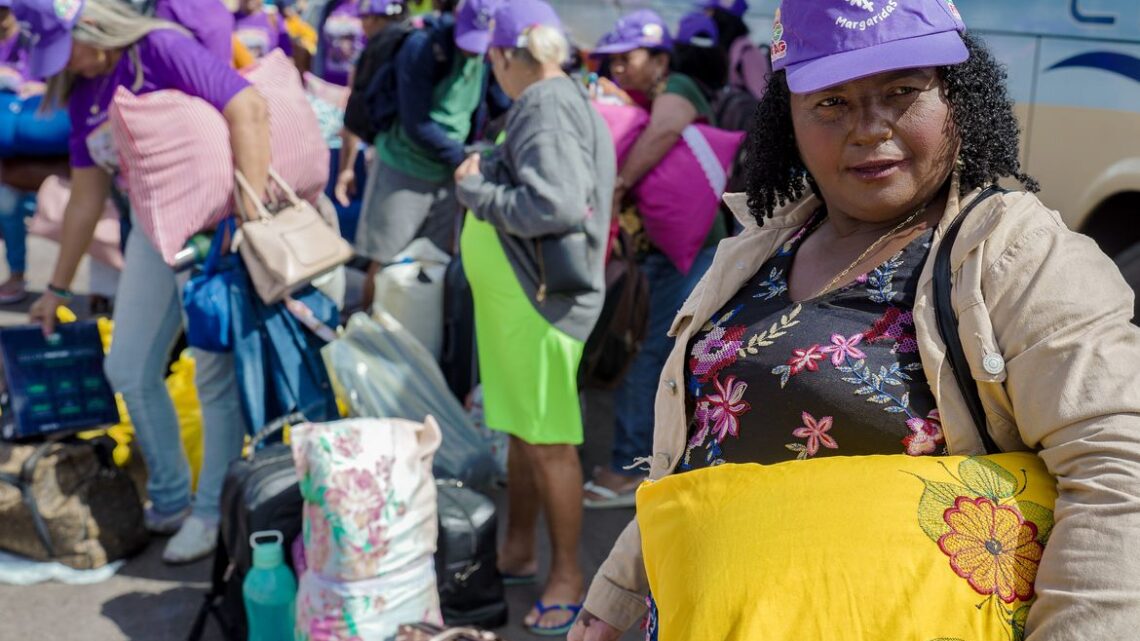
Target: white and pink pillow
(679,198)
(175,155)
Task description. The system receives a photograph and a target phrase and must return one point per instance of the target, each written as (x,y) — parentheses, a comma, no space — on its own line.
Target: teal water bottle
(269,590)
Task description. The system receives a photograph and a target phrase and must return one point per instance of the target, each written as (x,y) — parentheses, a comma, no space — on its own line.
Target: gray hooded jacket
(554,174)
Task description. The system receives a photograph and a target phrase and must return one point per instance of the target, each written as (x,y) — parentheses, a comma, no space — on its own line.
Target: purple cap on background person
(5,4)
(823,44)
(513,18)
(698,29)
(735,7)
(639,30)
(48,25)
(382,7)
(473,24)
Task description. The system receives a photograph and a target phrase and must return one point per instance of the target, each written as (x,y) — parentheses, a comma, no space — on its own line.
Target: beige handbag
(285,250)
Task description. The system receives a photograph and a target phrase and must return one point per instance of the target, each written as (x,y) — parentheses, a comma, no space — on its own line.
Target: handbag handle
(948,322)
(262,212)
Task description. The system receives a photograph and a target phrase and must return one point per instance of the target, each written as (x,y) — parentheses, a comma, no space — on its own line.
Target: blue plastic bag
(206,297)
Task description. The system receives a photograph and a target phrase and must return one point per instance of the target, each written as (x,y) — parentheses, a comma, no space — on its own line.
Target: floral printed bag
(862,548)
(369,527)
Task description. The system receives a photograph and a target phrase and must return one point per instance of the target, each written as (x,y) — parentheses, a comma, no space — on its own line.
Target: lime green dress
(528,367)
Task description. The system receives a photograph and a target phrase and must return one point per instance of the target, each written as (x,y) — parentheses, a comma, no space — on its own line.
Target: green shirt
(687,88)
(455,99)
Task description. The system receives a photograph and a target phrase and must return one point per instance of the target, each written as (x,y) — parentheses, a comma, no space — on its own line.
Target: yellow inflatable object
(180,383)
(853,548)
(301,33)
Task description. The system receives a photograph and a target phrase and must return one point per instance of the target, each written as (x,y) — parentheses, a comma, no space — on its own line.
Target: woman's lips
(877,170)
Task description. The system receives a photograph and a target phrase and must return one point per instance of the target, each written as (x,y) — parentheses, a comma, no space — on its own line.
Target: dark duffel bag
(68,502)
(459,360)
(260,493)
(466,563)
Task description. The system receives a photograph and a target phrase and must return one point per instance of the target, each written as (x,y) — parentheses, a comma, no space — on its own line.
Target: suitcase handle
(273,429)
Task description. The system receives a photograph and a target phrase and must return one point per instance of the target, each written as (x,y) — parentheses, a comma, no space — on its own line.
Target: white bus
(1074,71)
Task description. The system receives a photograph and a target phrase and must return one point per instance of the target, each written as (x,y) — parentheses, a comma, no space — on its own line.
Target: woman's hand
(469,167)
(43,312)
(590,628)
(345,186)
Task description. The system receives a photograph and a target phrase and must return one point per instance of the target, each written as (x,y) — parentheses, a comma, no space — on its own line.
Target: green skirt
(528,367)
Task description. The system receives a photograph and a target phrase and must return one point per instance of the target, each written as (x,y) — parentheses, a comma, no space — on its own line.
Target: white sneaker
(196,540)
(164,523)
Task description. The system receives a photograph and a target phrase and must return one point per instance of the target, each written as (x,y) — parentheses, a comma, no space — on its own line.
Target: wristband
(60,292)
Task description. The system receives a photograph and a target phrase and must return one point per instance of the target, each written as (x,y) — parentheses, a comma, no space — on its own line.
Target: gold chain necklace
(868,251)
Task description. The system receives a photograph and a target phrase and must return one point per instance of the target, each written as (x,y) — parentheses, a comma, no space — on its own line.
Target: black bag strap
(948,322)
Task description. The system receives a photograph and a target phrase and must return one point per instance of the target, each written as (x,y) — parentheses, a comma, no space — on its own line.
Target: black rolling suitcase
(260,493)
(459,361)
(466,563)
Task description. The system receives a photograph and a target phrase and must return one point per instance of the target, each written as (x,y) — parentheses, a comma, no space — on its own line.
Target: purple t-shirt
(260,33)
(208,20)
(169,60)
(342,40)
(13,64)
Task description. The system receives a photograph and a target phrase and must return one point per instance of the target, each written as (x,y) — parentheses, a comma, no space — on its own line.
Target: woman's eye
(903,91)
(831,102)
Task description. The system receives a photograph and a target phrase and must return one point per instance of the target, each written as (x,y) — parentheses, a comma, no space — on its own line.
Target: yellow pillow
(875,548)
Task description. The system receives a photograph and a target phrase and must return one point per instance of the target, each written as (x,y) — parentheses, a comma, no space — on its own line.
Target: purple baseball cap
(735,7)
(823,43)
(382,7)
(5,4)
(473,24)
(639,30)
(698,29)
(48,25)
(513,18)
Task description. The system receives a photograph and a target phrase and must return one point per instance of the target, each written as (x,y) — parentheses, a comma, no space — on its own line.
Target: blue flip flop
(554,631)
(513,580)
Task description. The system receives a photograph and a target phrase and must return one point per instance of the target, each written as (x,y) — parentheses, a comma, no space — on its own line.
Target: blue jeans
(633,401)
(15,206)
(148,316)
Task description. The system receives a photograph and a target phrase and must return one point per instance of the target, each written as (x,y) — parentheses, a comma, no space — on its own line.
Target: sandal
(557,630)
(609,498)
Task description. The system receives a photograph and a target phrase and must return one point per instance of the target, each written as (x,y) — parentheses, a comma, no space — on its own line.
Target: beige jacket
(1052,308)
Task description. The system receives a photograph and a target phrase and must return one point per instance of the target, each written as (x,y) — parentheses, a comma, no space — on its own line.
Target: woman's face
(878,147)
(88,61)
(638,70)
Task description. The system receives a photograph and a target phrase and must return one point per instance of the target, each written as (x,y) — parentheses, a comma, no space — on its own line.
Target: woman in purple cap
(882,133)
(88,50)
(340,39)
(27,132)
(640,50)
(534,250)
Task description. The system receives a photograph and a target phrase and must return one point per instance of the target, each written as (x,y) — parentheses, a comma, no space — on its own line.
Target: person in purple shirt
(260,31)
(208,21)
(88,49)
(341,39)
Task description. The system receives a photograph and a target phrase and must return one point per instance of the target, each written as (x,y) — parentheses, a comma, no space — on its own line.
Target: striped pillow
(175,155)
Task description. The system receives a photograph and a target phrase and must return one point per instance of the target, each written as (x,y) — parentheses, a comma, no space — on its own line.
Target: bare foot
(559,591)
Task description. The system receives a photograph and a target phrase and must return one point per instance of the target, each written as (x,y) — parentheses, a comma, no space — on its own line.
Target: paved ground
(149,601)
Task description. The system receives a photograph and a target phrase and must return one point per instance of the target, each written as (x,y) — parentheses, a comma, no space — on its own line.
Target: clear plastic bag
(380,370)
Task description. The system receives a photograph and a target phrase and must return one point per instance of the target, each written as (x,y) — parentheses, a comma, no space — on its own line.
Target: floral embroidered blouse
(770,379)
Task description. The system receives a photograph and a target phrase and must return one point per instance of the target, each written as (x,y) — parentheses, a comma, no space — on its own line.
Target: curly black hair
(979,106)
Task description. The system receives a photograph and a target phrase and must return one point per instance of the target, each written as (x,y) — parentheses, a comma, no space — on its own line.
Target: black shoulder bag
(948,322)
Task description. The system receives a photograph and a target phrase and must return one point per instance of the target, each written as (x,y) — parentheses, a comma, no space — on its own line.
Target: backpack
(621,327)
(373,103)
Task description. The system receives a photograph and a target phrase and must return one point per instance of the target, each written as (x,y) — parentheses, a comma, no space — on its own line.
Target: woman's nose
(872,125)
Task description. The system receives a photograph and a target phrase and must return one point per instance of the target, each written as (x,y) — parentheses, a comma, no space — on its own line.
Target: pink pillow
(175,155)
(679,198)
(333,94)
(51,201)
